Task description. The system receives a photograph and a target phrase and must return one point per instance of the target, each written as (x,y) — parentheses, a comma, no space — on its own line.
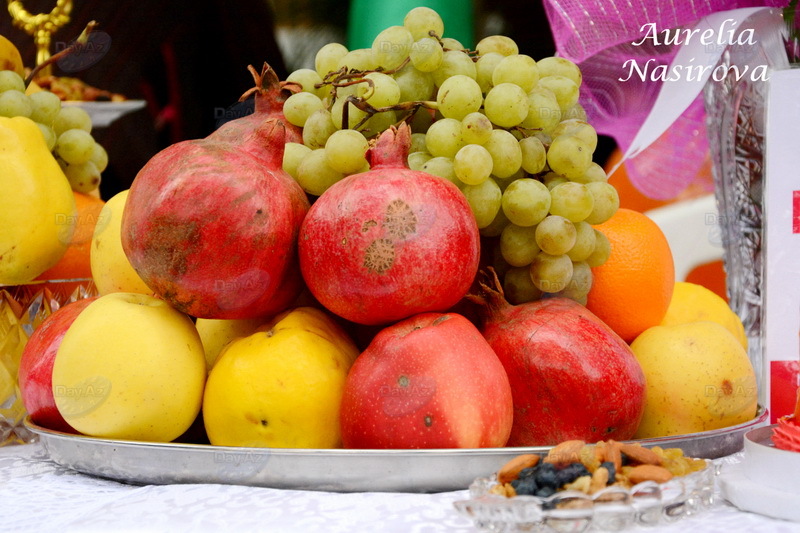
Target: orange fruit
(632,290)
(75,263)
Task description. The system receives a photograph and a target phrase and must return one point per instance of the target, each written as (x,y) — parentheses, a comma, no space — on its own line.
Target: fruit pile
(327,272)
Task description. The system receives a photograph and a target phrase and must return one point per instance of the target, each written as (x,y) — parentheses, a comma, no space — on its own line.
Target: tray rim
(757,422)
(332,470)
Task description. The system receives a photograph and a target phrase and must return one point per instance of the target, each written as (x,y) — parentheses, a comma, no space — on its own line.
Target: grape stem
(75,47)
(365,106)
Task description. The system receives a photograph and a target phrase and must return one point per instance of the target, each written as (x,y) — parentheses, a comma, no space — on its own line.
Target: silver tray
(432,470)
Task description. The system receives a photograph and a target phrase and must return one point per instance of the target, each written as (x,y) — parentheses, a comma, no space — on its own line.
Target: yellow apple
(282,385)
(698,378)
(218,333)
(111,270)
(130,367)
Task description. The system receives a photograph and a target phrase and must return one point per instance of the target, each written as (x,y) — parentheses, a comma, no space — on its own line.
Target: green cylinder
(369,17)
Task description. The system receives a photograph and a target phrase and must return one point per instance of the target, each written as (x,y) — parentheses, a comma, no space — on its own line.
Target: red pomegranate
(268,103)
(389,243)
(212,226)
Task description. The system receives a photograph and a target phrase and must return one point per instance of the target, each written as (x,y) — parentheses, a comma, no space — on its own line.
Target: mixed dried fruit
(589,468)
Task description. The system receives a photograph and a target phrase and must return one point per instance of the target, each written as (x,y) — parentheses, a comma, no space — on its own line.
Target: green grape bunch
(67,130)
(506,129)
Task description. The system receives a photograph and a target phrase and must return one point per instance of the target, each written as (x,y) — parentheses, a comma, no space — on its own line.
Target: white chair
(693,231)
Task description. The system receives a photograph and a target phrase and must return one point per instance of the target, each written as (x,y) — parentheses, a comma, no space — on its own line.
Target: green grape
(443,138)
(584,242)
(559,66)
(359,59)
(416,160)
(83,177)
(506,105)
(328,57)
(309,79)
(518,69)
(484,199)
(442,167)
(421,120)
(11,81)
(602,249)
(518,245)
(534,155)
(476,128)
(579,285)
(551,179)
(74,146)
(526,202)
(606,201)
(580,129)
(544,114)
(518,287)
(454,62)
(459,96)
(391,47)
(497,43)
(506,153)
(576,111)
(473,164)
(383,92)
(569,156)
(595,173)
(484,69)
(314,174)
(299,106)
(564,89)
(496,227)
(426,54)
(572,201)
(293,155)
(354,114)
(318,128)
(551,273)
(345,151)
(422,21)
(556,235)
(415,86)
(69,118)
(379,122)
(99,157)
(46,106)
(417,143)
(49,135)
(14,103)
(448,43)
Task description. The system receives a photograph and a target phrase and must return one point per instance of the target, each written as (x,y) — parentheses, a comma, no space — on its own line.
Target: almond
(641,455)
(641,473)
(566,452)
(510,471)
(613,454)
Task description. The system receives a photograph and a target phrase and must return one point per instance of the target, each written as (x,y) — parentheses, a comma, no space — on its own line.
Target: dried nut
(613,454)
(599,480)
(641,455)
(510,471)
(500,490)
(582,484)
(566,452)
(641,473)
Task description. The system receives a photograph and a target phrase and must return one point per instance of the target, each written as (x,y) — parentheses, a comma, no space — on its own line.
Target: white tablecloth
(37,495)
